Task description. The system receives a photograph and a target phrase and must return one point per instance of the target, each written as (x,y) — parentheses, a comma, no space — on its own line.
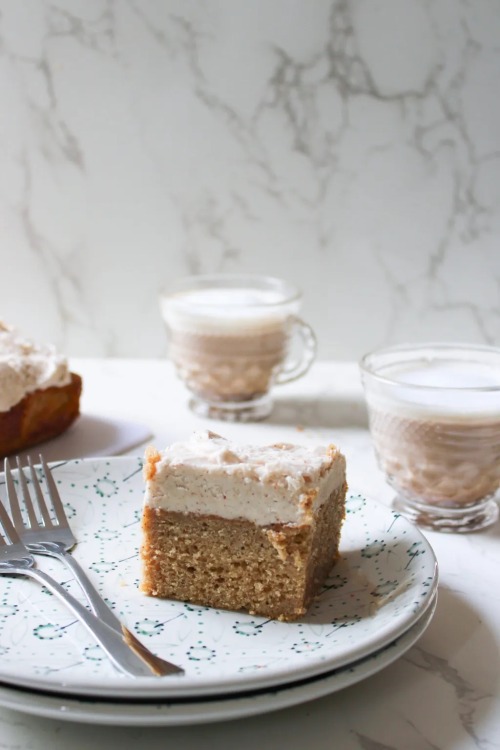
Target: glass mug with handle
(232,337)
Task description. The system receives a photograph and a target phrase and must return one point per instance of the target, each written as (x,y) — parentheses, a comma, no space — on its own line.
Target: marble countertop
(443,693)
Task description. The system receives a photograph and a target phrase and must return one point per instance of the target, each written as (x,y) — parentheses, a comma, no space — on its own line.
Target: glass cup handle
(295,368)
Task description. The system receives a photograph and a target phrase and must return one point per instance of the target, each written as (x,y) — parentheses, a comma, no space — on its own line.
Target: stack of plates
(378,601)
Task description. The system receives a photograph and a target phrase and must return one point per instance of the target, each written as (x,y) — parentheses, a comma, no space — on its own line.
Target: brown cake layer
(273,571)
(41,415)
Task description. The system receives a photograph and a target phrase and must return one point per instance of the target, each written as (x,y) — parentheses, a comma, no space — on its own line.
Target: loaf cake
(39,396)
(240,527)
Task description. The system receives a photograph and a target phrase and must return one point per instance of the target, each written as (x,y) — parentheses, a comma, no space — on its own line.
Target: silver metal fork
(55,539)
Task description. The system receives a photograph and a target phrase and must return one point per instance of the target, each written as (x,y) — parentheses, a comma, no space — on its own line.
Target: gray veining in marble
(353,147)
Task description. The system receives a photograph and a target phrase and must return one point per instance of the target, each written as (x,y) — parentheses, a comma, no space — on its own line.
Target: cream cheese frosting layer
(272,484)
(26,367)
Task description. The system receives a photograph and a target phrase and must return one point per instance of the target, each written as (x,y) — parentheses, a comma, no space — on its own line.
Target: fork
(55,539)
(16,560)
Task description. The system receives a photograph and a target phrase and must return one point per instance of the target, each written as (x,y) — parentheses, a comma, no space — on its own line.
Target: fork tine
(54,494)
(15,509)
(42,507)
(14,501)
(8,528)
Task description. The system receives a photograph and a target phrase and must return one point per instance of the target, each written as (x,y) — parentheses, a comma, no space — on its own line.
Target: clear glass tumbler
(232,337)
(434,412)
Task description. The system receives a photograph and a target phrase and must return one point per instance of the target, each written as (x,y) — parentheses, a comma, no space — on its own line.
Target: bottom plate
(185,711)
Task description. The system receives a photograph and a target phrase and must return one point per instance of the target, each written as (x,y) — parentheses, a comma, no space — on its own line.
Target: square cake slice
(241,527)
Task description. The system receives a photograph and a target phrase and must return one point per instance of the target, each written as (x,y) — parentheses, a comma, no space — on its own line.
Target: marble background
(352,147)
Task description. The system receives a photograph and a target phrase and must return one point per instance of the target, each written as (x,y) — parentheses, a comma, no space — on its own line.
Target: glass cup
(232,337)
(434,413)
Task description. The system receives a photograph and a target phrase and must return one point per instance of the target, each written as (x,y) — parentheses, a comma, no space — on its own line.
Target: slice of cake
(39,396)
(241,527)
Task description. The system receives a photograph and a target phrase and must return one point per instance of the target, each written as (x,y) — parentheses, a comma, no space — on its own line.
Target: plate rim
(153,714)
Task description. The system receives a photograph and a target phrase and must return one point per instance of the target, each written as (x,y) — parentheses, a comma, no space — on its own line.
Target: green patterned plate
(181,712)
(383,583)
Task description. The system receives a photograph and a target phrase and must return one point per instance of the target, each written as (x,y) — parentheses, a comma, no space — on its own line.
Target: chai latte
(227,344)
(436,429)
(435,425)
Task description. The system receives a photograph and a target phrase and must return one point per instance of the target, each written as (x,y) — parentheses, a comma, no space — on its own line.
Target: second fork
(55,539)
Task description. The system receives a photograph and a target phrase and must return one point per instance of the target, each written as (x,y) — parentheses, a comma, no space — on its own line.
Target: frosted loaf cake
(39,396)
(241,527)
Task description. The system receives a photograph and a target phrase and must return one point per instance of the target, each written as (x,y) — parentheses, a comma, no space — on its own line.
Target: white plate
(205,710)
(90,436)
(381,586)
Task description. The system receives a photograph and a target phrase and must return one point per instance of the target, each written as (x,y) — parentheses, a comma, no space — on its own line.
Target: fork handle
(124,650)
(97,603)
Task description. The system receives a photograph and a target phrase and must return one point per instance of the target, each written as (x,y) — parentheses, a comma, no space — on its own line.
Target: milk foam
(445,374)
(436,389)
(220,300)
(224,310)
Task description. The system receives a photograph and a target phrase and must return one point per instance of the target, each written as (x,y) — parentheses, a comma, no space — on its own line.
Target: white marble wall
(350,146)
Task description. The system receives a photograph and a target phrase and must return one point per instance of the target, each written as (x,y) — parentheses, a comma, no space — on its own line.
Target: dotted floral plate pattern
(235,706)
(383,583)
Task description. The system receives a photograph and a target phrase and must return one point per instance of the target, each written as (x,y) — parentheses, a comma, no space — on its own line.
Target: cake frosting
(276,481)
(26,367)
